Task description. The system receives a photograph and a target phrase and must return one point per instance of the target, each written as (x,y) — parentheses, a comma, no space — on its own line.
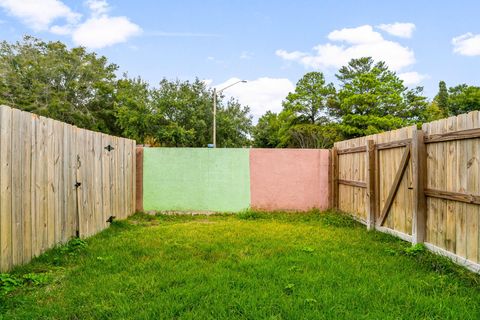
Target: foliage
(305,121)
(454,100)
(69,85)
(266,134)
(371,99)
(441,99)
(433,112)
(8,283)
(179,114)
(133,103)
(314,136)
(236,269)
(415,249)
(463,99)
(81,88)
(312,99)
(73,246)
(374,99)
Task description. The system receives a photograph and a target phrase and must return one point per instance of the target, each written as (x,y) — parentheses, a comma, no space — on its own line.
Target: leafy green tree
(433,112)
(179,114)
(187,109)
(441,98)
(234,125)
(463,99)
(135,116)
(312,98)
(69,85)
(374,99)
(266,134)
(311,136)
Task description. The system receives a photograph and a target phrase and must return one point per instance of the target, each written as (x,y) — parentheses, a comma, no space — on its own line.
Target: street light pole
(214,117)
(215,109)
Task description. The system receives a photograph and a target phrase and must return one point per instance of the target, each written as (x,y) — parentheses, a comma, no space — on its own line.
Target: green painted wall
(196,179)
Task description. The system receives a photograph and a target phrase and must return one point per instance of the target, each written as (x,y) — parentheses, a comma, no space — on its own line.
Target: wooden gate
(376,178)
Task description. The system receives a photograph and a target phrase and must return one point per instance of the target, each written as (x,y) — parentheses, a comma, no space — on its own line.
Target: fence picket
(38,172)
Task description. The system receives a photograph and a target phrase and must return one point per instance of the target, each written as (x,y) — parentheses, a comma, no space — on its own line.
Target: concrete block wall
(232,180)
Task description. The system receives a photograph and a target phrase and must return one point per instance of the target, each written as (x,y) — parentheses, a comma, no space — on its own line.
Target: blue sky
(269,43)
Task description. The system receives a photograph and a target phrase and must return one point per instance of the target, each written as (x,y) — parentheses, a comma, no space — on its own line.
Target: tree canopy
(369,100)
(51,80)
(82,88)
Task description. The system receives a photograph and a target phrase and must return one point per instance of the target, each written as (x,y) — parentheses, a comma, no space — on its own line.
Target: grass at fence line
(248,266)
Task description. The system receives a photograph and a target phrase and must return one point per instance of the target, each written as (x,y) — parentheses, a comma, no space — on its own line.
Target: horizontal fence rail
(420,185)
(58,181)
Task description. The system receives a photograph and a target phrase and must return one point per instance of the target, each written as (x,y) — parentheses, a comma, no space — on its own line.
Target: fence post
(371,195)
(419,157)
(334,179)
(139,179)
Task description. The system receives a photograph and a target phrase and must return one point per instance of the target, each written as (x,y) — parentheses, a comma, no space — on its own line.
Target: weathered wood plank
(5,189)
(26,185)
(473,188)
(461,208)
(419,175)
(16,185)
(353,183)
(451,184)
(334,179)
(396,183)
(393,144)
(371,188)
(464,134)
(352,150)
(50,187)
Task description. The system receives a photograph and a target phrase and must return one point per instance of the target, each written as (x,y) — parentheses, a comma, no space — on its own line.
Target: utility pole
(215,109)
(214,117)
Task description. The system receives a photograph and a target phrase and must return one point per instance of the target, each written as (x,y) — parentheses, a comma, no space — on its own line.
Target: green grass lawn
(246,266)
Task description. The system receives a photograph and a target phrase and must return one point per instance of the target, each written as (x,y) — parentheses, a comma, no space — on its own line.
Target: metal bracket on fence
(77,184)
(109,148)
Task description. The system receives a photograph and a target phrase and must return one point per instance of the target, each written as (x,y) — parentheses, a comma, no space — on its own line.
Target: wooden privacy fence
(420,185)
(58,181)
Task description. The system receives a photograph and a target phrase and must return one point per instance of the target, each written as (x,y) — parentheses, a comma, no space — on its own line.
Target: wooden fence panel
(453,166)
(41,161)
(445,199)
(352,166)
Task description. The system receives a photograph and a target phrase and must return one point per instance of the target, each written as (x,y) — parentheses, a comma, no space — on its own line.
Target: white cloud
(98,7)
(360,35)
(39,14)
(412,78)
(61,30)
(359,42)
(104,31)
(399,29)
(292,56)
(467,44)
(98,31)
(260,95)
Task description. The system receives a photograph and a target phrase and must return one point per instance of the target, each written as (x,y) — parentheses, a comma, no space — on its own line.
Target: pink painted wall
(289,179)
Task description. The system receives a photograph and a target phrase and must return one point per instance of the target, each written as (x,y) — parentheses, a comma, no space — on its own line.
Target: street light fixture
(215,109)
